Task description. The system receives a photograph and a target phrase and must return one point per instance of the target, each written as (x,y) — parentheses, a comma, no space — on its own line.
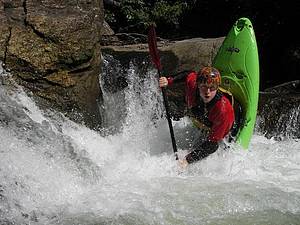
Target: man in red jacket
(208,106)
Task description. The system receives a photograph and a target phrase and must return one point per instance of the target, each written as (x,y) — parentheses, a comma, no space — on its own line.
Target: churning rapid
(54,171)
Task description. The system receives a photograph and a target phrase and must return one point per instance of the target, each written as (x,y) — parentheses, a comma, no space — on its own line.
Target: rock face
(52,48)
(279,110)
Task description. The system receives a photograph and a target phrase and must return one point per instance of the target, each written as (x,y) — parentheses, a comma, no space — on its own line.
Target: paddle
(156,61)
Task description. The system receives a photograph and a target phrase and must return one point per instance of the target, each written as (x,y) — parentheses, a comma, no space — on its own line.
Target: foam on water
(54,171)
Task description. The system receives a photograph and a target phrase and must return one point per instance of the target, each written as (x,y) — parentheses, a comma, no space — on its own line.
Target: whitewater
(54,171)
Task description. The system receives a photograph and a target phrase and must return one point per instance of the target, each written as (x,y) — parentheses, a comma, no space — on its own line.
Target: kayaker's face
(207,92)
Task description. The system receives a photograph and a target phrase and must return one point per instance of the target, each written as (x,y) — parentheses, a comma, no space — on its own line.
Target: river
(57,172)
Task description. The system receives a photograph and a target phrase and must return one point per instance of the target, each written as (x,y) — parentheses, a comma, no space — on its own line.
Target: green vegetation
(135,15)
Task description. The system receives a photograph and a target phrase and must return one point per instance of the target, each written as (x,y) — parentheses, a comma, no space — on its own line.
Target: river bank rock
(279,111)
(53,49)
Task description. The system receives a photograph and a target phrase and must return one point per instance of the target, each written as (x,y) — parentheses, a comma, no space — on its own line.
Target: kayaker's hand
(182,163)
(163,82)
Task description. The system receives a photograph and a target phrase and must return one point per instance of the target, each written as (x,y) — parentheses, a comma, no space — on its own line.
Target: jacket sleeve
(181,76)
(202,151)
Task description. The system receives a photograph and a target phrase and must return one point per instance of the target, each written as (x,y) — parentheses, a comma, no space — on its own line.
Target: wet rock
(292,87)
(52,48)
(279,111)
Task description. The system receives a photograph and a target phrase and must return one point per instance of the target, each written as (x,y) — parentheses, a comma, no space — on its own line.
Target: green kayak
(238,62)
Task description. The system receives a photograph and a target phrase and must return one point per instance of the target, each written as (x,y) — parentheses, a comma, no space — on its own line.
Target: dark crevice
(37,83)
(25,9)
(55,84)
(78,71)
(7,45)
(41,35)
(38,33)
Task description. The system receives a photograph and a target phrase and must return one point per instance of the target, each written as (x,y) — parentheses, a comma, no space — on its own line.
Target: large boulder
(52,48)
(279,110)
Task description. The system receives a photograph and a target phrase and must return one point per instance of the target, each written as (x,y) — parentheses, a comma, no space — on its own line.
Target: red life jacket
(221,115)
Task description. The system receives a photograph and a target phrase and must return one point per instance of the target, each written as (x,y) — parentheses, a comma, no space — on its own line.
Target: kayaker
(207,106)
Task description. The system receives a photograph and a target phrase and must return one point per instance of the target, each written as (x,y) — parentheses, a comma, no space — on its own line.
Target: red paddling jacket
(218,115)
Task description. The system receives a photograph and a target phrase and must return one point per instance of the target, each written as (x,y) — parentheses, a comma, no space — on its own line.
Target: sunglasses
(206,87)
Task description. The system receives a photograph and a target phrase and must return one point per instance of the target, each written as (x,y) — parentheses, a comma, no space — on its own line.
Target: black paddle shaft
(165,99)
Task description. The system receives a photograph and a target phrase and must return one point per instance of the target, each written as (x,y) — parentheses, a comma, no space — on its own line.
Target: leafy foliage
(135,15)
